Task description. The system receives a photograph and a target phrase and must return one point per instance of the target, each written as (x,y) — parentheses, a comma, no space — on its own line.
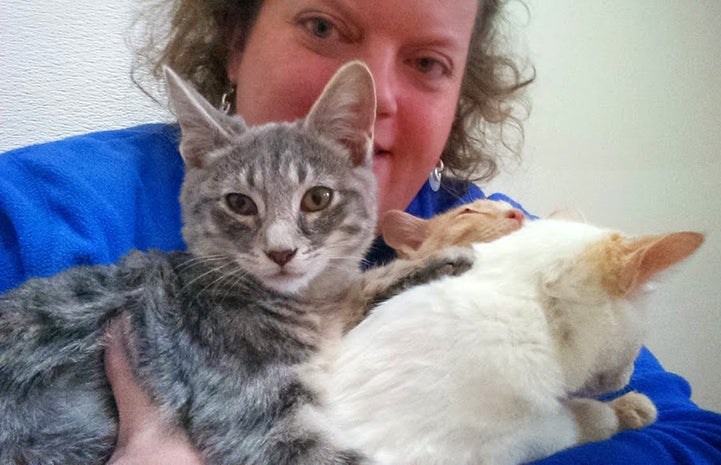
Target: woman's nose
(386,82)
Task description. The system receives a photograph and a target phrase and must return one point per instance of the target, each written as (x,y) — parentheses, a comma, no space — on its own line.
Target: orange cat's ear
(403,232)
(647,256)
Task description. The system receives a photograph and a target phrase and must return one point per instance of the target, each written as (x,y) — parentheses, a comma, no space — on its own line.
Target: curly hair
(201,34)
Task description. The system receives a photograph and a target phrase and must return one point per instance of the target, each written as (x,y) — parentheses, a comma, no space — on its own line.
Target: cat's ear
(646,256)
(204,128)
(403,232)
(345,111)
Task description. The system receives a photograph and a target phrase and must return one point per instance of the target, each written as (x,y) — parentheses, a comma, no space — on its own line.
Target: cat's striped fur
(275,217)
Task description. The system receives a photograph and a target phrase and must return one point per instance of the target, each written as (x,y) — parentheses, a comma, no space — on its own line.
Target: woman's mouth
(380,151)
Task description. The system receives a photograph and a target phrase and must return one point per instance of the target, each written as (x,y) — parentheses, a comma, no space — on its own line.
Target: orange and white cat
(501,364)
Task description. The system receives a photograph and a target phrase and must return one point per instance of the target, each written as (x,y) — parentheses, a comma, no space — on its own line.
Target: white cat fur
(481,368)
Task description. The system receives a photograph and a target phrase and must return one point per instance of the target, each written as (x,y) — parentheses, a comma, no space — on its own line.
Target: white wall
(625,126)
(65,69)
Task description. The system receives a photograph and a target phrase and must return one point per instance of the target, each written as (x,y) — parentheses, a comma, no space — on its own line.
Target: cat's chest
(248,326)
(188,313)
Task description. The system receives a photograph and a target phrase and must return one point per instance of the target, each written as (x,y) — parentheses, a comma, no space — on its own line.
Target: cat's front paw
(383,283)
(449,261)
(634,411)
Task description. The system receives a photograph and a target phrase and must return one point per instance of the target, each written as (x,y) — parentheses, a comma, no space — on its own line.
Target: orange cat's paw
(634,411)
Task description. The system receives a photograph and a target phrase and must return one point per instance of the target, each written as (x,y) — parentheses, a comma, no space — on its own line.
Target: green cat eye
(316,199)
(241,204)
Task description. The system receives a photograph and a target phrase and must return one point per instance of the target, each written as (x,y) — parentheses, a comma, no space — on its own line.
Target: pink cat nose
(515,214)
(281,257)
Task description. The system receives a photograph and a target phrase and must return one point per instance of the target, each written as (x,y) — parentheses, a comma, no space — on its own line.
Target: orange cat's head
(480,221)
(590,283)
(623,266)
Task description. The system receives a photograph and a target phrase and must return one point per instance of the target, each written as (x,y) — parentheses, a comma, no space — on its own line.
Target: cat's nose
(515,214)
(281,257)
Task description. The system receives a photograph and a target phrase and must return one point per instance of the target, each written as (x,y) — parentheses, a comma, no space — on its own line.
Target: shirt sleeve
(88,200)
(682,434)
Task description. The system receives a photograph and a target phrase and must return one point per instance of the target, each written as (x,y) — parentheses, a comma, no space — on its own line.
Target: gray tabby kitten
(277,219)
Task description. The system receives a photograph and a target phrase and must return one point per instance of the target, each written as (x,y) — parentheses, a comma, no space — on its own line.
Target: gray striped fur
(220,341)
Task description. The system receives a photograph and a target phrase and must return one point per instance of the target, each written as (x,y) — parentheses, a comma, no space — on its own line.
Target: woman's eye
(241,204)
(431,67)
(319,27)
(316,199)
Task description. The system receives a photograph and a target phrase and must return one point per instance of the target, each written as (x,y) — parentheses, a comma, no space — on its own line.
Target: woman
(437,77)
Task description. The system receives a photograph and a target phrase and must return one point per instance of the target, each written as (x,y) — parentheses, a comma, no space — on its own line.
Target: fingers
(143,435)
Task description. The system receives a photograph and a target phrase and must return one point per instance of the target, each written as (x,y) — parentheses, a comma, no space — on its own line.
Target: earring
(226,99)
(435,178)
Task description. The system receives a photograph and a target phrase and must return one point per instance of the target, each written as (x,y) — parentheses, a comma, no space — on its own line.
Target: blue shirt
(90,199)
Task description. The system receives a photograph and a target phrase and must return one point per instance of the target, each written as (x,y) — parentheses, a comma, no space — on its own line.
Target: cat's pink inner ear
(403,232)
(650,255)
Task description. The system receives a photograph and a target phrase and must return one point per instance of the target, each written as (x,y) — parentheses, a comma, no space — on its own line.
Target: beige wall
(626,126)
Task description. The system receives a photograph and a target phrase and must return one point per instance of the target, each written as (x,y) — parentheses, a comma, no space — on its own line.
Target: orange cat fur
(479,221)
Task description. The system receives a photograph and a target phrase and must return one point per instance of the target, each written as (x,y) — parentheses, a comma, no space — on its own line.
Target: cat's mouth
(285,273)
(286,281)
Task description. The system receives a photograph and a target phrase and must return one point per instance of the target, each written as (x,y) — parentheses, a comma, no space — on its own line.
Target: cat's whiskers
(200,260)
(239,273)
(215,282)
(208,272)
(219,281)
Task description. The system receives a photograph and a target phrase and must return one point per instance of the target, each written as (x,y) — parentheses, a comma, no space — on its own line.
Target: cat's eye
(316,199)
(241,204)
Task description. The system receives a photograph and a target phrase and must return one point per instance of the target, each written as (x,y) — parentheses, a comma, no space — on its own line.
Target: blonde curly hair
(201,34)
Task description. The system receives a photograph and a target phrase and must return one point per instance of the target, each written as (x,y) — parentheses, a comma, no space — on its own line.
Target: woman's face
(416,50)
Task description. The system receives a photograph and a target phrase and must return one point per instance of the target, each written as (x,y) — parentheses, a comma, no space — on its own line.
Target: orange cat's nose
(515,214)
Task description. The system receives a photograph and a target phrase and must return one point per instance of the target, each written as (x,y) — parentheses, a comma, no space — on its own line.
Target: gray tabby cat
(276,219)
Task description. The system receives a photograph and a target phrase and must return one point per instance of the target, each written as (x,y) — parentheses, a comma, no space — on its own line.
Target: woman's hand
(143,437)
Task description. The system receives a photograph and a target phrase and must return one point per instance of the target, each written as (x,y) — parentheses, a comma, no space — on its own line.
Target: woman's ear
(233,65)
(237,40)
